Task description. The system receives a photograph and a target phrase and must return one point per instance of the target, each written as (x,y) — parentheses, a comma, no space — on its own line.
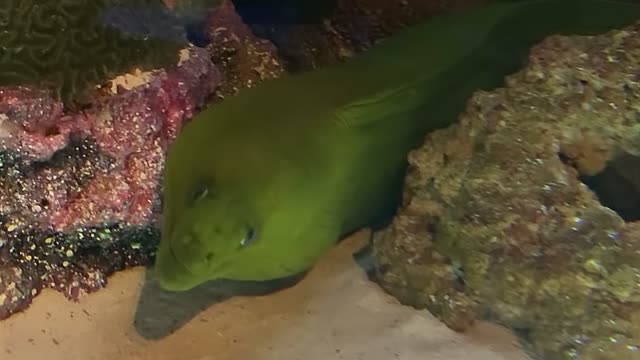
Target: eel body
(260,186)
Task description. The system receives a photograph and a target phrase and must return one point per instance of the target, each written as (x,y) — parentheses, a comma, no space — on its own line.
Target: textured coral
(79,196)
(509,215)
(72,46)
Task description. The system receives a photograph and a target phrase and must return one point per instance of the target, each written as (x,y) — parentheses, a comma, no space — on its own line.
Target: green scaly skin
(305,159)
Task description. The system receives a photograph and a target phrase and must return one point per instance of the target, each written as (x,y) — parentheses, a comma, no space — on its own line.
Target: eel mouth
(171,273)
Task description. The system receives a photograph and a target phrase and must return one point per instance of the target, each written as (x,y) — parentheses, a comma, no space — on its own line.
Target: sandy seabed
(334,313)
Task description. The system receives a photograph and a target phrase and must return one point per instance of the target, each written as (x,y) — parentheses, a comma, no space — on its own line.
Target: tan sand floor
(334,313)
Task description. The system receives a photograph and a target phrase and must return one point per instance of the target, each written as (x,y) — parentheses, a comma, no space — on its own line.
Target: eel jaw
(171,274)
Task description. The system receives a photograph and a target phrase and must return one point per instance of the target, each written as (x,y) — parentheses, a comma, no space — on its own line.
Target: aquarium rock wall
(527,212)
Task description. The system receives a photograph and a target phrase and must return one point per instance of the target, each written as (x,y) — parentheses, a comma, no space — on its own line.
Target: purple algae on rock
(80,195)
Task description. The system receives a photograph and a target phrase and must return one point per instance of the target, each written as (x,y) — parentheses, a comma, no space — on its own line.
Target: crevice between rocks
(617,186)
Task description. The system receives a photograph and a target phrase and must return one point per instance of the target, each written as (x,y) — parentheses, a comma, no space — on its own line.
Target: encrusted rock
(80,190)
(244,59)
(526,212)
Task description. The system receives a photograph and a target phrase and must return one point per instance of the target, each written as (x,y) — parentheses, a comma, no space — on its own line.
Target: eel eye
(249,238)
(202,188)
(200,193)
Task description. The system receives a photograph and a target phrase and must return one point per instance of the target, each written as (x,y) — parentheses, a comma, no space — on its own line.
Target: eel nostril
(188,239)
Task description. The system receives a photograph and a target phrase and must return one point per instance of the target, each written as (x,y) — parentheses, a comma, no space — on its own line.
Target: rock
(344,28)
(79,199)
(244,59)
(527,211)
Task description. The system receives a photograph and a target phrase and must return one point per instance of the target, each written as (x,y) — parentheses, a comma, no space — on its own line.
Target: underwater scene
(320,179)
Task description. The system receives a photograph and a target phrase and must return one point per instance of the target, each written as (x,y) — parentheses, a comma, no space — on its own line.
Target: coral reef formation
(526,212)
(69,47)
(79,190)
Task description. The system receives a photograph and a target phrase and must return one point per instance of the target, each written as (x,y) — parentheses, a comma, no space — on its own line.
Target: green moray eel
(261,185)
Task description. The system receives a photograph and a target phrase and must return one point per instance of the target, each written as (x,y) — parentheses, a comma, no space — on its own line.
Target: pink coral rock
(80,190)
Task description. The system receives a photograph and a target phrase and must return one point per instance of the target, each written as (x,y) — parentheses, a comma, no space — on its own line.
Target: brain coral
(71,46)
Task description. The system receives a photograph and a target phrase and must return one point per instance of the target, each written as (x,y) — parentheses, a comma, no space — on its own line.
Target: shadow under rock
(160,313)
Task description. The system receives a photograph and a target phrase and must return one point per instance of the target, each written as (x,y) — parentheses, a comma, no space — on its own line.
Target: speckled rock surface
(526,212)
(244,59)
(79,190)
